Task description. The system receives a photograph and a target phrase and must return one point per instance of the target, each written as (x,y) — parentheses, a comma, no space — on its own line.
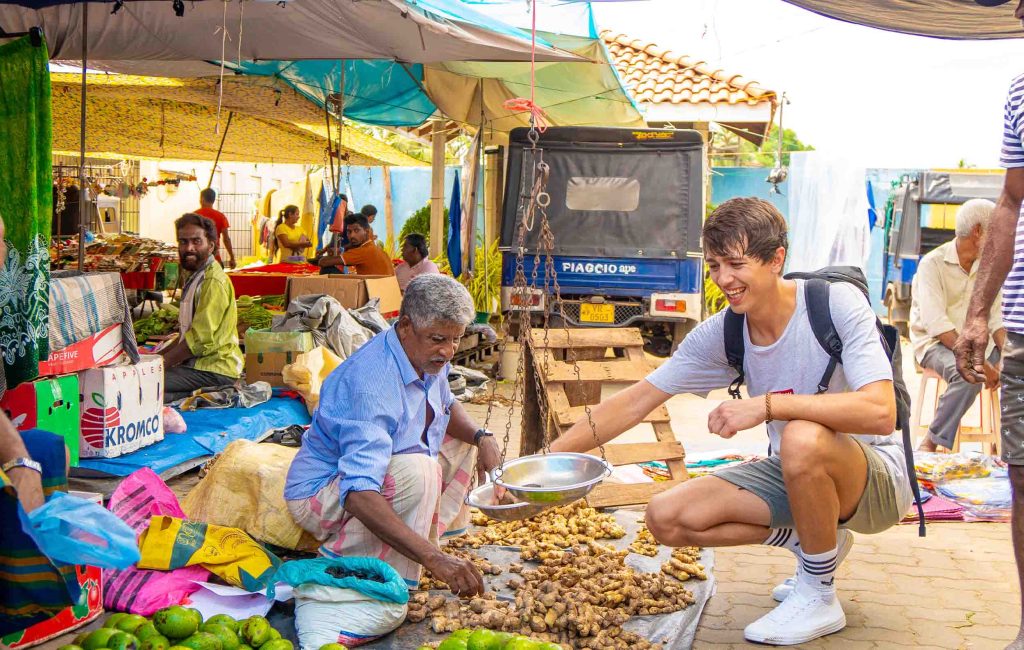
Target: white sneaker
(845,543)
(805,615)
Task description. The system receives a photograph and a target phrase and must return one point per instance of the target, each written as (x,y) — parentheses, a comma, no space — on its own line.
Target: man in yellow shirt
(207,353)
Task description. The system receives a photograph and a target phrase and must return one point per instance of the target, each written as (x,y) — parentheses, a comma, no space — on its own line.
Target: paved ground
(956,588)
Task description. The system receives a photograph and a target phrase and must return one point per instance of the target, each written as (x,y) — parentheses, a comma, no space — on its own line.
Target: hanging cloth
(26,206)
(455,229)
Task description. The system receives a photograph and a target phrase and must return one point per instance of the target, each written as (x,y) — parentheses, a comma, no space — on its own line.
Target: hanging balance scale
(547,479)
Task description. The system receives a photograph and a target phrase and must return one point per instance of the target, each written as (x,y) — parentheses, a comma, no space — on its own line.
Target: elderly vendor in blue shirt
(386,465)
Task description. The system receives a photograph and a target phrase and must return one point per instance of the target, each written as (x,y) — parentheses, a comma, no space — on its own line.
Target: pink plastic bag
(140,496)
(173,422)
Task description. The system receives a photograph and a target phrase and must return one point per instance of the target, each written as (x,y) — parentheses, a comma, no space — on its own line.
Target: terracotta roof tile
(658,76)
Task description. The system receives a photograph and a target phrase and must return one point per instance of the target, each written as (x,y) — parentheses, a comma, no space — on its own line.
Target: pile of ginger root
(578,597)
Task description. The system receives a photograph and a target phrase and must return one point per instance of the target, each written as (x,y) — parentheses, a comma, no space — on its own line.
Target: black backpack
(816,296)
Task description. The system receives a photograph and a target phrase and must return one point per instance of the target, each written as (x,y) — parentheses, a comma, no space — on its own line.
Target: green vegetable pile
(252,313)
(484,639)
(161,321)
(180,628)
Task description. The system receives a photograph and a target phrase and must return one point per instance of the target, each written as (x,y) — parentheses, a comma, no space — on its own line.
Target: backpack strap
(816,295)
(734,348)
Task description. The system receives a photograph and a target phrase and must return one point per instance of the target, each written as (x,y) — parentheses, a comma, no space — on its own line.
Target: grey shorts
(1011,400)
(878,509)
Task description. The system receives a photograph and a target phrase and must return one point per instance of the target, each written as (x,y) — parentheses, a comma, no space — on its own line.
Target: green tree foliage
(420,222)
(730,150)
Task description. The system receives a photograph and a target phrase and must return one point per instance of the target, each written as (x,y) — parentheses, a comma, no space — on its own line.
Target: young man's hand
(969,350)
(736,415)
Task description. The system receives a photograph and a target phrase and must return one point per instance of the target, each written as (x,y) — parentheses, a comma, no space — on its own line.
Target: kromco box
(121,407)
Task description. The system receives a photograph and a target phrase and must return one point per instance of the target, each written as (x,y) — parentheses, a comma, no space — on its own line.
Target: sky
(880,98)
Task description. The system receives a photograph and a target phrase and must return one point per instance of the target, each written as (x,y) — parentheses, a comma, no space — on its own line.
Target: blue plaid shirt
(371,408)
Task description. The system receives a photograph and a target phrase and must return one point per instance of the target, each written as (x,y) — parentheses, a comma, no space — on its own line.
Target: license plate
(590,313)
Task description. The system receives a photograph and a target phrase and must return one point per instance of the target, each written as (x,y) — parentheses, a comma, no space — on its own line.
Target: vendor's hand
(969,350)
(736,415)
(231,262)
(461,576)
(991,375)
(29,486)
(488,456)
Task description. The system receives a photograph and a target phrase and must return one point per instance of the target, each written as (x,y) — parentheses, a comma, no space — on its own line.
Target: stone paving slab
(955,588)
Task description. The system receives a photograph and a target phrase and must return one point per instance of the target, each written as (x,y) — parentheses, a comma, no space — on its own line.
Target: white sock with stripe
(818,570)
(784,538)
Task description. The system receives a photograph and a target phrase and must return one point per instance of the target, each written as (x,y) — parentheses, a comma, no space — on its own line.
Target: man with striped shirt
(1002,259)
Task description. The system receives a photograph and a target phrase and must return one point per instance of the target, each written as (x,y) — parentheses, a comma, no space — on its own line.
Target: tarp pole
(437,224)
(223,136)
(83,201)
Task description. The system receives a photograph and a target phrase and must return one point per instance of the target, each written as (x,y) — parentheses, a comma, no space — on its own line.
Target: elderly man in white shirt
(941,291)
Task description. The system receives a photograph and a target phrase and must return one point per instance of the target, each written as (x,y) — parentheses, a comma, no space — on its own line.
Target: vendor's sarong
(427,494)
(32,588)
(26,206)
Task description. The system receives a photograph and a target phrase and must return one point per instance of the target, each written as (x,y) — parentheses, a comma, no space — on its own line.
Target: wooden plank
(570,415)
(608,337)
(626,494)
(612,371)
(640,452)
(677,468)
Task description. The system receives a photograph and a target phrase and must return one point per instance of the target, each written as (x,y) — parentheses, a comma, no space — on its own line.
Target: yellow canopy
(176,118)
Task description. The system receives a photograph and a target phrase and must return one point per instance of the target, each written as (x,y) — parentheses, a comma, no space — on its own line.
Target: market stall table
(268,280)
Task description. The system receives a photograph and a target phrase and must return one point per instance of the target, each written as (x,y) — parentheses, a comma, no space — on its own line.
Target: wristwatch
(481,433)
(22,462)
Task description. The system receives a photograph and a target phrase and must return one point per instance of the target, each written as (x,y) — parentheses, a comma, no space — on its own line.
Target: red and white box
(101,349)
(121,408)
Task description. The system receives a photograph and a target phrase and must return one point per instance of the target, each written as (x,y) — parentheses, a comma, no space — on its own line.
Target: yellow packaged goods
(171,543)
(938,468)
(245,489)
(308,373)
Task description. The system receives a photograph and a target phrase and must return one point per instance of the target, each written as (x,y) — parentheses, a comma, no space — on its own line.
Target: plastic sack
(367,575)
(74,530)
(369,316)
(173,422)
(939,468)
(991,492)
(265,340)
(245,489)
(171,543)
(331,615)
(141,591)
(309,372)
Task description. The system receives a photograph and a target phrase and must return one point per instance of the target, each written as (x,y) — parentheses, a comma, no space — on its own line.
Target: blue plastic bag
(74,530)
(382,582)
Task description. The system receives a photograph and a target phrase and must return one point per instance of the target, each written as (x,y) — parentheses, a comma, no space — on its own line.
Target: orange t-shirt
(219,221)
(369,259)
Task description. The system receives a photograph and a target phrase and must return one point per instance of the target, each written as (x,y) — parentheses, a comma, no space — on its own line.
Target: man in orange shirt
(361,253)
(206,198)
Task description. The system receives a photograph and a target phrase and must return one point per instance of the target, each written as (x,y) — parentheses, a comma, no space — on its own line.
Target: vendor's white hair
(434,298)
(973,213)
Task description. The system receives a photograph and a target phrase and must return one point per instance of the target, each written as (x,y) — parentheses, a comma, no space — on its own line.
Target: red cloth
(290,269)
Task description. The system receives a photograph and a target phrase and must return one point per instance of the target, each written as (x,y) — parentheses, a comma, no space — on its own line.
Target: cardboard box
(352,291)
(122,407)
(267,353)
(47,404)
(88,608)
(101,349)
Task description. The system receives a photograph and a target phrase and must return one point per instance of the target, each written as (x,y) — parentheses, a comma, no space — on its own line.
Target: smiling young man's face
(744,279)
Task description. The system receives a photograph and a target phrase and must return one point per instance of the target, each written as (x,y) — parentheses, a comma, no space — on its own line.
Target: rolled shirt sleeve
(364,444)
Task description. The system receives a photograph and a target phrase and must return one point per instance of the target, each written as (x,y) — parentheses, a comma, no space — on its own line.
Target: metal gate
(239,209)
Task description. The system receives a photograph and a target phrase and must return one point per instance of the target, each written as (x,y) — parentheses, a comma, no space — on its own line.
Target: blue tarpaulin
(455,229)
(209,432)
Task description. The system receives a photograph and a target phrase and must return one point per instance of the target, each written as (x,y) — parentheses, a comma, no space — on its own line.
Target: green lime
(98,638)
(278,644)
(453,643)
(336,646)
(123,641)
(156,642)
(228,639)
(203,641)
(114,619)
(482,639)
(225,620)
(70,647)
(145,631)
(175,623)
(131,623)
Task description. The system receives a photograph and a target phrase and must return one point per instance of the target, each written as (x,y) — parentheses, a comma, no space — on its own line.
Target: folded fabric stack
(936,508)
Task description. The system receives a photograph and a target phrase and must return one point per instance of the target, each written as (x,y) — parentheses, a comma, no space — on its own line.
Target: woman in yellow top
(291,241)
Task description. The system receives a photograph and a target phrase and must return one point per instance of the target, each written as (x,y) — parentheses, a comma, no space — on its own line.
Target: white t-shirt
(793,364)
